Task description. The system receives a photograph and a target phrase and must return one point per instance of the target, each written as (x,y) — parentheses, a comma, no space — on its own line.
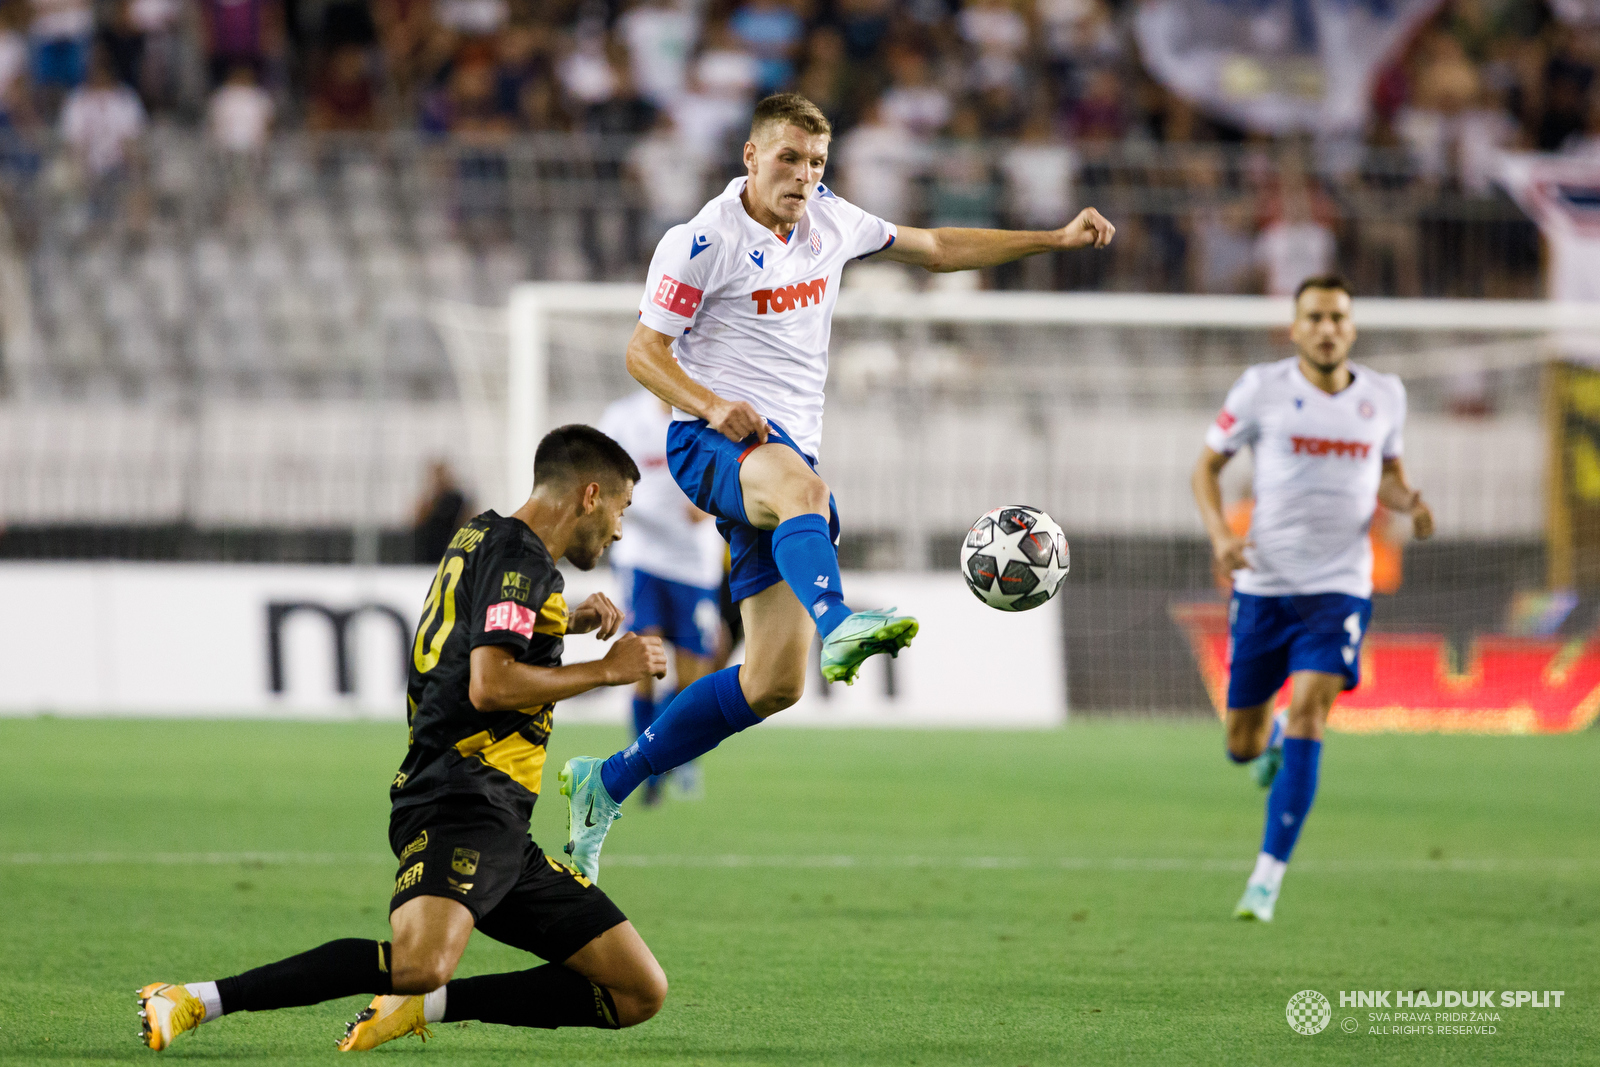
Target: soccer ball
(1015,558)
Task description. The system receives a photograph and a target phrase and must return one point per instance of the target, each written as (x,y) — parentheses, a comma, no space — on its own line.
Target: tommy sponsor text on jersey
(1318,461)
(752,313)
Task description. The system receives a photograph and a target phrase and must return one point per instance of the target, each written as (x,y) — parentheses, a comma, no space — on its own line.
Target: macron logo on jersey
(676,297)
(699,244)
(789,297)
(1321,446)
(759,258)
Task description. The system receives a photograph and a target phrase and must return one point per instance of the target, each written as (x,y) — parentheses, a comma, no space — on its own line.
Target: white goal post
(1532,332)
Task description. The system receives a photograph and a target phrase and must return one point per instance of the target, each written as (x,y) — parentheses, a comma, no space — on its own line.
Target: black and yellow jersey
(496,585)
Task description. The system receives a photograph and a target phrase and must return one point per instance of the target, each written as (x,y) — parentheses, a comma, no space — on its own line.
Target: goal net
(944,403)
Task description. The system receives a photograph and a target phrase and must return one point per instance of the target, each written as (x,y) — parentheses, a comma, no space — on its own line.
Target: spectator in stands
(772,32)
(625,113)
(660,37)
(670,178)
(1569,74)
(722,83)
(587,74)
(522,56)
(60,35)
(828,79)
(439,514)
(241,32)
(964,189)
(1038,172)
(876,162)
(864,24)
(1076,36)
(1099,116)
(239,117)
(345,98)
(146,46)
(102,121)
(912,101)
(15,109)
(1294,246)
(404,29)
(1444,84)
(997,37)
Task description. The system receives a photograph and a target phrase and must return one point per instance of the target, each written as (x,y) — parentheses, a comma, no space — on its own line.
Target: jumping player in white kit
(733,333)
(1327,439)
(669,562)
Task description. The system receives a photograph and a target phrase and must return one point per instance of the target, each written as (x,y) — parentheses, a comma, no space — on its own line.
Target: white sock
(1269,871)
(433,1005)
(207,992)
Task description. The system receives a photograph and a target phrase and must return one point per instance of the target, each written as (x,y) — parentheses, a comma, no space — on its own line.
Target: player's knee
(642,997)
(803,494)
(773,696)
(423,974)
(1243,751)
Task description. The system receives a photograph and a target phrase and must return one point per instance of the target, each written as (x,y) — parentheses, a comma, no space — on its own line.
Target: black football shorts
(517,894)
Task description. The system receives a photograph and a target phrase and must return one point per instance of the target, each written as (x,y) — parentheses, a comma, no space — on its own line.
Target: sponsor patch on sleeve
(676,297)
(508,615)
(1226,421)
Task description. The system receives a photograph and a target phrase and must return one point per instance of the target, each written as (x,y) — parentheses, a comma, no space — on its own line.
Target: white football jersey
(658,537)
(752,313)
(1318,461)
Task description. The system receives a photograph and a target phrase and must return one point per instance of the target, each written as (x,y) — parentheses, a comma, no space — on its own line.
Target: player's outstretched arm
(1227,547)
(500,683)
(1396,494)
(953,248)
(652,366)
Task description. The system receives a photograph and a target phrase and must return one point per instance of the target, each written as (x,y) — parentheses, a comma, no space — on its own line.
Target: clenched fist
(634,658)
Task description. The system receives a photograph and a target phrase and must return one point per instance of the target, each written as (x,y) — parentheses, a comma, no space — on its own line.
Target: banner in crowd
(325,641)
(1277,66)
(1503,685)
(1562,195)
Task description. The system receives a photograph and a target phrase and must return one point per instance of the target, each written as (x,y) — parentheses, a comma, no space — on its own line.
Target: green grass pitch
(838,897)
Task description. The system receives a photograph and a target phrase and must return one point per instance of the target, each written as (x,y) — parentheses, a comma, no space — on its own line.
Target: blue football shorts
(705,465)
(1271,637)
(686,616)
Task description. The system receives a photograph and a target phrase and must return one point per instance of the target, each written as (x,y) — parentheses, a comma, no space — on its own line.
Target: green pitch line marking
(1154,864)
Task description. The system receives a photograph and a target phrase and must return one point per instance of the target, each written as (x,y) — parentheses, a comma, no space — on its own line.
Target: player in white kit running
(669,562)
(1327,439)
(733,333)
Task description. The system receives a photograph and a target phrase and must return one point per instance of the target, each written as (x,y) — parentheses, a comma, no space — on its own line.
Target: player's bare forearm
(953,248)
(1397,494)
(1394,492)
(650,362)
(500,683)
(1206,482)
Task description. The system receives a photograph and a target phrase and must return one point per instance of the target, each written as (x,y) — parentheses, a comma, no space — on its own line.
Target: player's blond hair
(789,109)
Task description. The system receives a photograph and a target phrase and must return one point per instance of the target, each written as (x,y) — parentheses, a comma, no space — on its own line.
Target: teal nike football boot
(863,634)
(590,813)
(1257,903)
(1264,768)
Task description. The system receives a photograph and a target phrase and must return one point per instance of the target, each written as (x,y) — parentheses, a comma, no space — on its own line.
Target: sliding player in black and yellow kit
(485,676)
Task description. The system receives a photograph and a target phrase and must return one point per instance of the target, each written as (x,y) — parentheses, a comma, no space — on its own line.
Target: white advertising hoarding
(267,641)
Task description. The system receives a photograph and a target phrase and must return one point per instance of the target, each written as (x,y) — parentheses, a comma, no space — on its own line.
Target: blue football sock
(809,563)
(700,718)
(1292,793)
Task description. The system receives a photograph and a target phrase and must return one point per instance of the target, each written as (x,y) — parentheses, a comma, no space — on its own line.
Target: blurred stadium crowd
(1478,73)
(228,188)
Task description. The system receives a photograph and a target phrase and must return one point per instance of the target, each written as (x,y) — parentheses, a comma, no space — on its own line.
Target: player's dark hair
(1324,281)
(571,452)
(790,109)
